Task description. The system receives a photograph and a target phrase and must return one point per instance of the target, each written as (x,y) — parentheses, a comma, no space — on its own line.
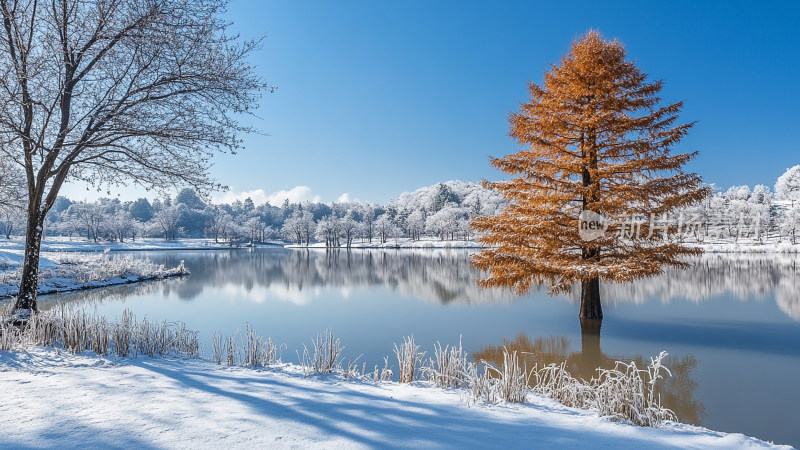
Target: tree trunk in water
(591,352)
(590,300)
(26,299)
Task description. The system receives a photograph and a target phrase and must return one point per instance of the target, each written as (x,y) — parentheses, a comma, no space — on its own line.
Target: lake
(731,323)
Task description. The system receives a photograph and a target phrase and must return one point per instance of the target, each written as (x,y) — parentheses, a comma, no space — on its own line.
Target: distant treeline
(442,211)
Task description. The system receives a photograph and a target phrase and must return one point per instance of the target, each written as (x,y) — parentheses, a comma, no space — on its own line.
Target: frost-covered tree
(348,228)
(327,230)
(415,223)
(115,91)
(788,185)
(596,139)
(12,186)
(789,223)
(11,219)
(167,218)
(368,219)
(121,224)
(90,217)
(444,223)
(253,226)
(385,228)
(299,227)
(141,210)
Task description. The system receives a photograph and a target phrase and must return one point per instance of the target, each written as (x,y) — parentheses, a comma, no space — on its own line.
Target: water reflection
(113,294)
(741,276)
(677,391)
(445,276)
(294,275)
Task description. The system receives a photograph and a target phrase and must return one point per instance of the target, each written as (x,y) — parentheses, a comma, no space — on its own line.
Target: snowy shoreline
(65,272)
(150,402)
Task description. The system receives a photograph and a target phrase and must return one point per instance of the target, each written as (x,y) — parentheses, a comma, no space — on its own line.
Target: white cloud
(296,194)
(344,198)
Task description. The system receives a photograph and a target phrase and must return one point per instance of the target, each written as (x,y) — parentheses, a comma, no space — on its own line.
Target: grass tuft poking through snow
(408,358)
(449,367)
(326,352)
(76,331)
(251,350)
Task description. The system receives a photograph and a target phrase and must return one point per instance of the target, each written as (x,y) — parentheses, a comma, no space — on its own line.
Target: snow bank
(53,399)
(59,272)
(64,244)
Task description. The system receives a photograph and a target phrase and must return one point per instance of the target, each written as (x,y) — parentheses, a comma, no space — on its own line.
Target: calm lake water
(731,324)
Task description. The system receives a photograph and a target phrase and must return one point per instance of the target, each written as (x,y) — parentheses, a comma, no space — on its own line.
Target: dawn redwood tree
(595,139)
(115,91)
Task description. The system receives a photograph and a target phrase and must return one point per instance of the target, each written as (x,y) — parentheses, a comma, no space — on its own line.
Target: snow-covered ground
(749,247)
(64,244)
(60,400)
(59,271)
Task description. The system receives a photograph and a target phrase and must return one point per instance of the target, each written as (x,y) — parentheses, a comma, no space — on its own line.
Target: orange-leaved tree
(594,182)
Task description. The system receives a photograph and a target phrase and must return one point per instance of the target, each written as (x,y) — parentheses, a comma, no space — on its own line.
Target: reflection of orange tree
(676,392)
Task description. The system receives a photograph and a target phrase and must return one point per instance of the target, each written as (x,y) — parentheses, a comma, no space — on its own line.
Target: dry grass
(449,367)
(325,356)
(408,358)
(77,331)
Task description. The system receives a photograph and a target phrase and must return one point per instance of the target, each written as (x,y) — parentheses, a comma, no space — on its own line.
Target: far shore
(64,244)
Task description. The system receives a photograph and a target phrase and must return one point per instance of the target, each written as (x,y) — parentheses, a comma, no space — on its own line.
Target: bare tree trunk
(590,300)
(29,284)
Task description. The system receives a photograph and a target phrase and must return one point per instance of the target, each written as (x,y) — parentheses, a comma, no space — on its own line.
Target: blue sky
(375,98)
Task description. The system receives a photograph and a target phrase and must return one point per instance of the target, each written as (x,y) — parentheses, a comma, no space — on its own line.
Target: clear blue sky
(377,97)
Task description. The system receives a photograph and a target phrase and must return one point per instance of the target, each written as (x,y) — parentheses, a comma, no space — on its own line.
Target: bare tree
(368,219)
(116,91)
(254,226)
(218,223)
(348,227)
(10,218)
(12,186)
(90,217)
(299,227)
(167,219)
(122,224)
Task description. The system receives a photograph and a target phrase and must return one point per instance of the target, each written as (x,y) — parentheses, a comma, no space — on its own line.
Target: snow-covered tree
(121,224)
(348,228)
(788,185)
(254,226)
(789,223)
(368,219)
(12,186)
(444,223)
(91,218)
(415,223)
(299,227)
(327,230)
(167,218)
(11,219)
(385,228)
